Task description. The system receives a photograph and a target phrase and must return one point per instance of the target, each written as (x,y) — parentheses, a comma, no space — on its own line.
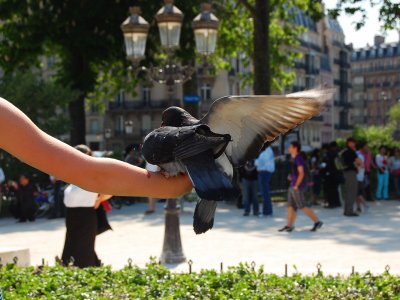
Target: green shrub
(157,282)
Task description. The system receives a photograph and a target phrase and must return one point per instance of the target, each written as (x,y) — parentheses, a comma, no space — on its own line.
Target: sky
(366,34)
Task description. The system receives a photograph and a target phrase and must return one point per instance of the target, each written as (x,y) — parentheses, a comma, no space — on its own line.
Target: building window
(205,92)
(94,126)
(146,95)
(119,124)
(121,97)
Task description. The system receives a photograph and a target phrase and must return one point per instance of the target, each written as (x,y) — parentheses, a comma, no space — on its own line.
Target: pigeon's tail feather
(203,218)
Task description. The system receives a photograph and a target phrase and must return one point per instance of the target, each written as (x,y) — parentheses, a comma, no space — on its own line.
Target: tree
(267,25)
(81,34)
(44,101)
(389,12)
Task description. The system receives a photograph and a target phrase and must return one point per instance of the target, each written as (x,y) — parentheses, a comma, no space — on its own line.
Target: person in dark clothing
(249,182)
(25,192)
(58,209)
(331,176)
(350,161)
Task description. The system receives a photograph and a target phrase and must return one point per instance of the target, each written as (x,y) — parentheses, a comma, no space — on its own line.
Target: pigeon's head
(176,117)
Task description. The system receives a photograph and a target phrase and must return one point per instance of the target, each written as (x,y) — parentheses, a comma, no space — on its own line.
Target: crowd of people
(332,177)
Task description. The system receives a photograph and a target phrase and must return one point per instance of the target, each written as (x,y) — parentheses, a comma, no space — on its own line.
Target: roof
(379,51)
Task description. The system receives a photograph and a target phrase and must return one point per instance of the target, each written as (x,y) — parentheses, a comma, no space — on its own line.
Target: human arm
(22,138)
(101,198)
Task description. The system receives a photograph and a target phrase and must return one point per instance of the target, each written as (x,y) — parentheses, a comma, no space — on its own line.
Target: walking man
(296,198)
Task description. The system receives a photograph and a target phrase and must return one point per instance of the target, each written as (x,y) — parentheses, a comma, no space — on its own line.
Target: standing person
(85,218)
(265,165)
(25,193)
(350,163)
(58,209)
(395,170)
(315,174)
(296,191)
(369,164)
(248,178)
(382,164)
(360,179)
(331,176)
(152,201)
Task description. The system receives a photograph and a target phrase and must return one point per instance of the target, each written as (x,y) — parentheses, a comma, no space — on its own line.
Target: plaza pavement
(369,242)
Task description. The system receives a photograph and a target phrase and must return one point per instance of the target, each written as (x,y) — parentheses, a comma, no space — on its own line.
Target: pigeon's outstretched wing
(253,120)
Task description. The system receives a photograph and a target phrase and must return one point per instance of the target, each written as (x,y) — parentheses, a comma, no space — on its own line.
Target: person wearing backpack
(296,199)
(350,162)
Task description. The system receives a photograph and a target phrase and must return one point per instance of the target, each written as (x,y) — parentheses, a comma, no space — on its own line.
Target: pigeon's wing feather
(252,121)
(201,141)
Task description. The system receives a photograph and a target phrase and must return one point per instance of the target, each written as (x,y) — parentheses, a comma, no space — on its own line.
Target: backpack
(340,167)
(339,161)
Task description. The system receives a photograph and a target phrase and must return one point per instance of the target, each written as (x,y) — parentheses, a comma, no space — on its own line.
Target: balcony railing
(344,104)
(136,105)
(343,127)
(376,69)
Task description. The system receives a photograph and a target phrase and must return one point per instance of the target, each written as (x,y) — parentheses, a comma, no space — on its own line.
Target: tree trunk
(78,121)
(261,57)
(81,79)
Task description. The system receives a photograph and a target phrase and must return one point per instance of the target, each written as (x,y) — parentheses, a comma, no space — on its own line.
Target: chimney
(378,40)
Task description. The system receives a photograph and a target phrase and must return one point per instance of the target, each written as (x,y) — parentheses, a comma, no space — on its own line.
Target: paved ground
(369,242)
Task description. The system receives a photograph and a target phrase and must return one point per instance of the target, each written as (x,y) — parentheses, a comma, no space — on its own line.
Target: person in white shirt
(85,218)
(265,164)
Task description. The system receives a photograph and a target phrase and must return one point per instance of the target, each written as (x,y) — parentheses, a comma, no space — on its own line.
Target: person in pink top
(368,164)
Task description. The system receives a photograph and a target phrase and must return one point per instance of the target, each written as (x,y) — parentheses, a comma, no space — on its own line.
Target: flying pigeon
(232,132)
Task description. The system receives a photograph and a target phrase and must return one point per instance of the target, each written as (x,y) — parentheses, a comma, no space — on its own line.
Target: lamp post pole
(169,21)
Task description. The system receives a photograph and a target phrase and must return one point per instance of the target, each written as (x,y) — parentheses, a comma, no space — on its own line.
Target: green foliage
(236,34)
(380,135)
(156,282)
(388,13)
(44,101)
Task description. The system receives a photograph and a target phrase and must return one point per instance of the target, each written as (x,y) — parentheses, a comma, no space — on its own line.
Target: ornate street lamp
(169,20)
(135,30)
(107,136)
(205,27)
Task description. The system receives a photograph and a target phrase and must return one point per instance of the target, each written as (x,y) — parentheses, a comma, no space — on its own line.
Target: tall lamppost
(107,136)
(169,20)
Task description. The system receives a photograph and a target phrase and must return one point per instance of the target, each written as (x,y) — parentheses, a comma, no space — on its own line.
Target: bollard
(286,270)
(319,268)
(253,265)
(190,263)
(222,267)
(43,262)
(71,261)
(15,260)
(387,268)
(352,270)
(130,262)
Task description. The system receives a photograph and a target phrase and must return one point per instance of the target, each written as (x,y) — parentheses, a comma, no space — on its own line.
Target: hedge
(157,282)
